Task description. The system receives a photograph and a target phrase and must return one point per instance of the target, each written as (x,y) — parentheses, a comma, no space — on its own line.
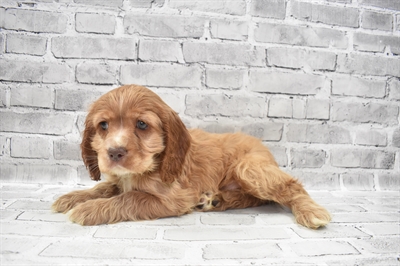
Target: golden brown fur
(154,167)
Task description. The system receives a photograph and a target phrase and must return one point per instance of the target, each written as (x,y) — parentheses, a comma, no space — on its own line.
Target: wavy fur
(166,170)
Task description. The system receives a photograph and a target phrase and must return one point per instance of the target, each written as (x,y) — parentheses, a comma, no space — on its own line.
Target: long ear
(89,155)
(177,143)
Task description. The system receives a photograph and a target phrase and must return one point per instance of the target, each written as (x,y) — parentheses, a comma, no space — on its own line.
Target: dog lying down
(154,167)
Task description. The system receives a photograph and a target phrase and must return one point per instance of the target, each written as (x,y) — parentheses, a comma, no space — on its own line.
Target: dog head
(131,131)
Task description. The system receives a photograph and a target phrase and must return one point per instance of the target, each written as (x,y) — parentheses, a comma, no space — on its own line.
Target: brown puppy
(154,167)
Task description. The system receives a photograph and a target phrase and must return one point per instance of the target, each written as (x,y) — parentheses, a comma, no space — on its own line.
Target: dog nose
(116,154)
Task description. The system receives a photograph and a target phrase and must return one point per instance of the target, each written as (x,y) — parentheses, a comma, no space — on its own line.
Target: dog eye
(141,125)
(104,125)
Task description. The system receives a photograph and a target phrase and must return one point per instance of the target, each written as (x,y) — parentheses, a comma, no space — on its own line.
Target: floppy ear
(89,155)
(177,143)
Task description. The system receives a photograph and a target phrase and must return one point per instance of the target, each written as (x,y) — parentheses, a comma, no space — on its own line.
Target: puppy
(154,167)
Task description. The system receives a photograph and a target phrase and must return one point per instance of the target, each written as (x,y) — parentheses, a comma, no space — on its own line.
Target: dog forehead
(127,116)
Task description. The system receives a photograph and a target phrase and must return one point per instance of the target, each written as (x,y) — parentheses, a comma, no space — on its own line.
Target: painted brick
(320,133)
(363,217)
(280,107)
(242,251)
(342,208)
(232,7)
(376,43)
(354,86)
(338,16)
(224,78)
(2,42)
(227,219)
(42,217)
(299,58)
(26,71)
(299,108)
(389,181)
(397,22)
(302,36)
(274,215)
(368,65)
(216,127)
(225,105)
(266,131)
(96,73)
(80,123)
(371,138)
(32,95)
(84,177)
(268,8)
(287,108)
(159,50)
(145,3)
(376,21)
(356,158)
(330,231)
(279,154)
(198,234)
(2,17)
(41,123)
(4,96)
(379,229)
(179,221)
(42,173)
(67,150)
(30,147)
(25,205)
(4,146)
(175,101)
(47,229)
(14,245)
(394,89)
(35,21)
(99,249)
(317,109)
(286,83)
(358,182)
(365,112)
(95,23)
(379,246)
(166,75)
(89,47)
(26,44)
(323,248)
(396,138)
(75,99)
(8,172)
(223,53)
(126,232)
(229,30)
(307,158)
(389,4)
(110,3)
(164,26)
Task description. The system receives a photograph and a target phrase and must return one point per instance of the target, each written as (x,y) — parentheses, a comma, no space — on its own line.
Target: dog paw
(207,201)
(91,212)
(313,218)
(64,203)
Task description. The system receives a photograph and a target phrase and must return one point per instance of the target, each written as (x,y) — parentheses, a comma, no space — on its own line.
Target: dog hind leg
(268,182)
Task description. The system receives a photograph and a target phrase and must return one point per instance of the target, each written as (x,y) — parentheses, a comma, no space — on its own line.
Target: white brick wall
(317,81)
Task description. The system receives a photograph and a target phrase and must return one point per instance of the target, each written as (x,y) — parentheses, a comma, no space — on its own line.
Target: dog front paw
(64,203)
(93,212)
